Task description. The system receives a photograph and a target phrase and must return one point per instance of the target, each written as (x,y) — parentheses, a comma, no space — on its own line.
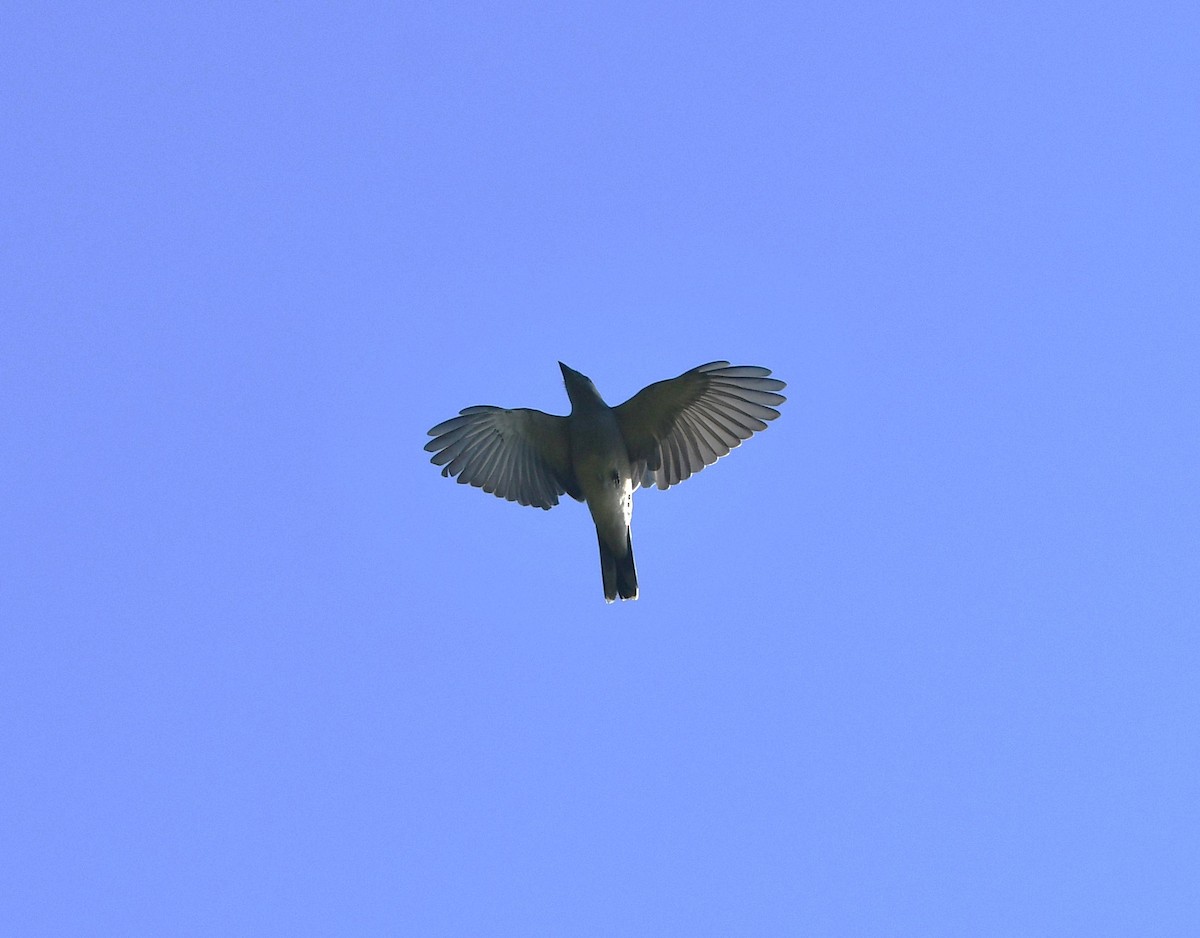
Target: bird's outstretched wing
(675,428)
(521,455)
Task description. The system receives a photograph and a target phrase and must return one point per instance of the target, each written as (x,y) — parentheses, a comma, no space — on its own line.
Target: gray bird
(601,454)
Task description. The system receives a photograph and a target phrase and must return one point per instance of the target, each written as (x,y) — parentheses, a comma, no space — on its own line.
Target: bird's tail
(620,575)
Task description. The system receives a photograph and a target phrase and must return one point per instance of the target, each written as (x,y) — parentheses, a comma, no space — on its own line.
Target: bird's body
(601,465)
(601,454)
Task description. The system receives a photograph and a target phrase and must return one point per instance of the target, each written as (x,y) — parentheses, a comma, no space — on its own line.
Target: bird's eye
(616,477)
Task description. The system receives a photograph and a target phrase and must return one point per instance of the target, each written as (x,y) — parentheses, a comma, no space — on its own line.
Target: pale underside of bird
(600,455)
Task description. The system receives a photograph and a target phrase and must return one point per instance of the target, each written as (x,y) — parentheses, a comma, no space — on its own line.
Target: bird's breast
(601,465)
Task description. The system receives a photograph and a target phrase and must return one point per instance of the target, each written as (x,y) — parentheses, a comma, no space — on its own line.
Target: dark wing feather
(521,455)
(675,428)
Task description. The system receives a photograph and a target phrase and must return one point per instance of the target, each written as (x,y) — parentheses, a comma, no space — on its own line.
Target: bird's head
(580,389)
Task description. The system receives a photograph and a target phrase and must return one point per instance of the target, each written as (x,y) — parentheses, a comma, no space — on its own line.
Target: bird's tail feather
(619,573)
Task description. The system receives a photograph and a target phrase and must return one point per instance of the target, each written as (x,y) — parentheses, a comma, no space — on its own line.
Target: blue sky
(919,660)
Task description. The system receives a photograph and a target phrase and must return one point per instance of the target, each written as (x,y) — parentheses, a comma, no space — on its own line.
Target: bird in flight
(601,454)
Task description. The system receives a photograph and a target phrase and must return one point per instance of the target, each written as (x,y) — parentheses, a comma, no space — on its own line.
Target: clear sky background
(922,659)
